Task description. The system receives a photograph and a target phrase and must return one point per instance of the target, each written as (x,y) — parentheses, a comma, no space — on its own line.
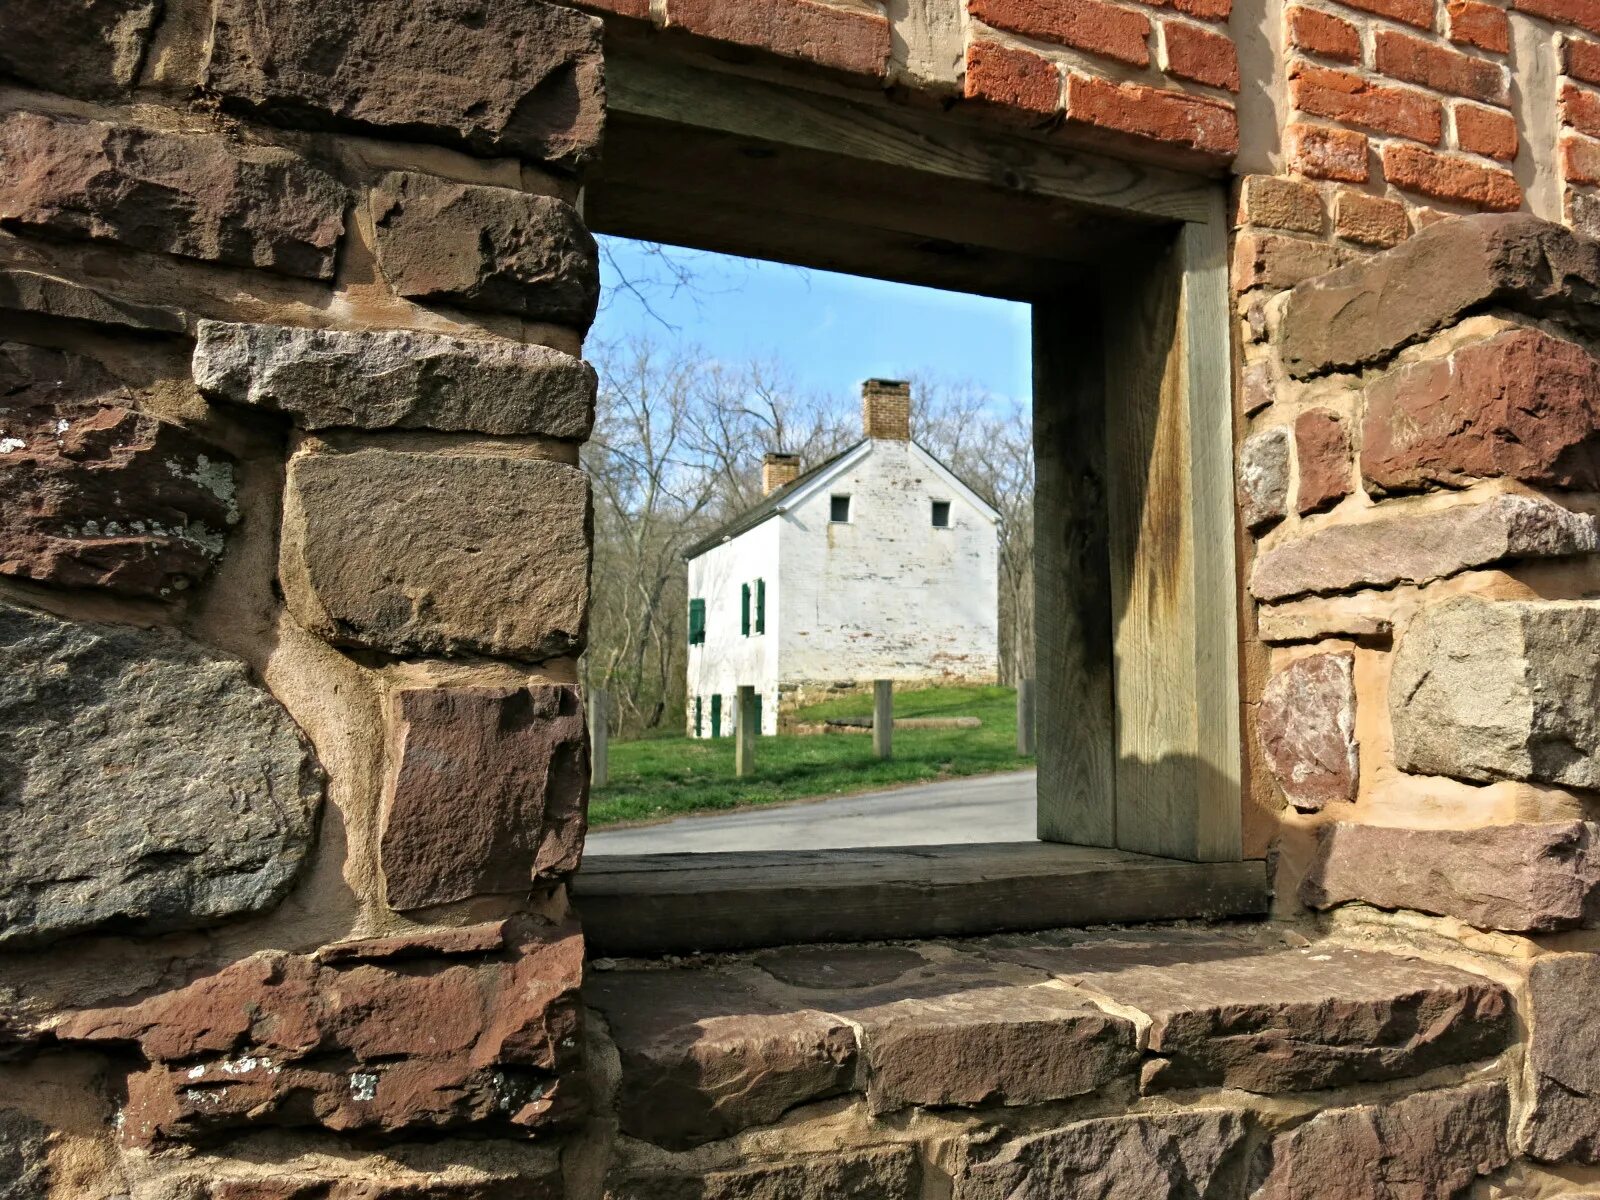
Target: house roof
(779,500)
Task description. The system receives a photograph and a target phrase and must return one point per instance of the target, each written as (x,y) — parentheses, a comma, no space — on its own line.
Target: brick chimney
(778,470)
(886,409)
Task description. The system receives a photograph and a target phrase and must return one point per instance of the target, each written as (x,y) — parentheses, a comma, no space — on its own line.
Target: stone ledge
(707,1052)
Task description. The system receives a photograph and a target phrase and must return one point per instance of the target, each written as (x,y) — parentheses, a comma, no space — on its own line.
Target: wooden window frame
(1137,679)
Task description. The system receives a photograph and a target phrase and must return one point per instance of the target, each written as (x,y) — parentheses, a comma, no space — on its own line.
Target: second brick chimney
(886,409)
(778,470)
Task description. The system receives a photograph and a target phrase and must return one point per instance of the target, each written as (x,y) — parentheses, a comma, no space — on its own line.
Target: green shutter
(744,609)
(716,715)
(758,714)
(697,725)
(761,606)
(697,622)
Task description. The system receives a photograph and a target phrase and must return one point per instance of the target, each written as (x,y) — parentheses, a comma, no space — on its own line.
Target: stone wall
(291,398)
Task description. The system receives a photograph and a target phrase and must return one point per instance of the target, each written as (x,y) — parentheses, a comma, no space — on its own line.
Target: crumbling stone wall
(293,575)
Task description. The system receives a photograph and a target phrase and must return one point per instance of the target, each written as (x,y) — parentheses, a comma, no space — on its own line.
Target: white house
(877,564)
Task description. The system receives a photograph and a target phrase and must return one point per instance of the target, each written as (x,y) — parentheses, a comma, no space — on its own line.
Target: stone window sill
(681,903)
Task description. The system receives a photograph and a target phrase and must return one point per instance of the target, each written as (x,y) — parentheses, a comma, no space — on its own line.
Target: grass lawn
(662,777)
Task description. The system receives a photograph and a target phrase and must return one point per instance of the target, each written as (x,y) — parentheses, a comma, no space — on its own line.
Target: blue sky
(831,330)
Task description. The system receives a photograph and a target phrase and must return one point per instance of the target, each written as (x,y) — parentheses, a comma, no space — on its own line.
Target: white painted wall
(888,596)
(727,659)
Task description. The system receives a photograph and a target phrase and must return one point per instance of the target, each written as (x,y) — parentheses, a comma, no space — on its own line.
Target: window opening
(941,514)
(839,510)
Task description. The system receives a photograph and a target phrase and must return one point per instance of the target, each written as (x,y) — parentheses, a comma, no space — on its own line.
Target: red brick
(1580,59)
(1351,100)
(1585,14)
(1205,10)
(1411,12)
(1486,131)
(1190,52)
(1580,109)
(1412,60)
(1325,153)
(1416,169)
(845,39)
(1207,128)
(1324,35)
(1016,79)
(1482,25)
(1369,220)
(1103,29)
(1580,160)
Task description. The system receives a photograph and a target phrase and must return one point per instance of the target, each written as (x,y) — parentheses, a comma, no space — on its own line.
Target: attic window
(941,514)
(839,509)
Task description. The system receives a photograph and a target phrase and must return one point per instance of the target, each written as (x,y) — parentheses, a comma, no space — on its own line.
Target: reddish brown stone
(881,1173)
(704,1054)
(1370,220)
(1271,261)
(1307,726)
(469,939)
(1433,1144)
(1227,1012)
(962,1033)
(95,494)
(90,48)
(497,77)
(489,795)
(1523,405)
(1322,453)
(1198,1153)
(1562,1121)
(240,205)
(853,40)
(442,242)
(1367,310)
(1520,878)
(424,1045)
(1279,203)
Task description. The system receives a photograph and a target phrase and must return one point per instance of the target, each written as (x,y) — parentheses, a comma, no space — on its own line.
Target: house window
(697,622)
(744,609)
(941,514)
(761,606)
(839,509)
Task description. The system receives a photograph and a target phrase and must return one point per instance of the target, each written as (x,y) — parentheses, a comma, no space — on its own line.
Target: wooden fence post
(744,747)
(883,718)
(1025,708)
(599,737)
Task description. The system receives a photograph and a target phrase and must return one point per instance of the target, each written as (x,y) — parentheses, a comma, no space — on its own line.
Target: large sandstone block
(1365,311)
(187,194)
(1228,1013)
(962,1033)
(37,292)
(1523,405)
(881,1173)
(148,783)
(396,379)
(496,77)
(1307,727)
(1419,547)
(1434,1144)
(95,494)
(1264,477)
(446,553)
(488,795)
(442,242)
(1561,1123)
(487,1044)
(1483,690)
(1322,456)
(24,1157)
(89,48)
(1199,1153)
(705,1055)
(1520,878)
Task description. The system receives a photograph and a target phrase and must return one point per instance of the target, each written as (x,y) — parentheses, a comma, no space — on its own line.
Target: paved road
(989,808)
